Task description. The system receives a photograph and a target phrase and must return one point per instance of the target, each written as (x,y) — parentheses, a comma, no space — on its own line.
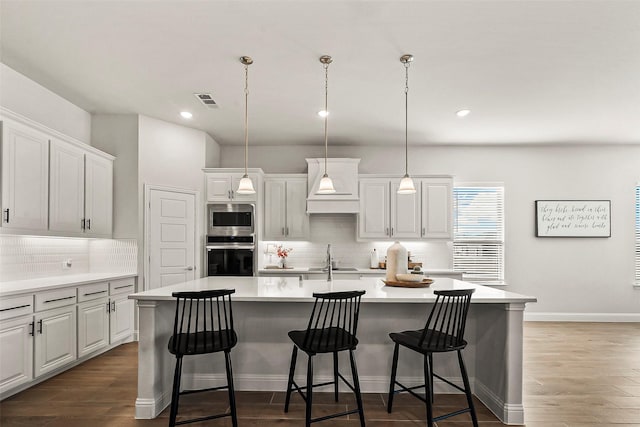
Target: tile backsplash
(30,257)
(340,230)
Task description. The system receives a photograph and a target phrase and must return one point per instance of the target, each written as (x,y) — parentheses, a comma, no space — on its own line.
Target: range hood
(344,174)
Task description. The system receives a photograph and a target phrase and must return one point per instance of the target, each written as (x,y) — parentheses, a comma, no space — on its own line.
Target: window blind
(638,234)
(478,242)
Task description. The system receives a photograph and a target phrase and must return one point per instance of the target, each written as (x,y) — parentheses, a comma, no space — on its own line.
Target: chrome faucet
(329,264)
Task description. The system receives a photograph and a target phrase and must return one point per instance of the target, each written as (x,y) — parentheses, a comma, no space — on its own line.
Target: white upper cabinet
(437,208)
(81,191)
(221,187)
(53,184)
(98,192)
(66,189)
(25,177)
(373,220)
(285,216)
(385,214)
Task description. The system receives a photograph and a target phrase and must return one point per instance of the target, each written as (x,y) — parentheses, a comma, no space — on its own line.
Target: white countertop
(291,289)
(16,287)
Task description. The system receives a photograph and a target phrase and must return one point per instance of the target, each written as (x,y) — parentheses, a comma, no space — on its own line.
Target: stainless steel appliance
(226,219)
(230,255)
(230,240)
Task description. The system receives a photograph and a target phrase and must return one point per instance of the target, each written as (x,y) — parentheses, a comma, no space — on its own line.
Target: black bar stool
(203,324)
(443,332)
(332,328)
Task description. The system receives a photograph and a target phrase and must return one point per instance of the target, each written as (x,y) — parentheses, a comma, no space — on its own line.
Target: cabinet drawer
(96,290)
(122,286)
(16,306)
(55,299)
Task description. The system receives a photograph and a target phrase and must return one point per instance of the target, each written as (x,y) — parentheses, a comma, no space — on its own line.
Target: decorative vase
(396,261)
(283,262)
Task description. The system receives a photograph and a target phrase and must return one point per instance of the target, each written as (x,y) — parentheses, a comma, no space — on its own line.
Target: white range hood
(344,174)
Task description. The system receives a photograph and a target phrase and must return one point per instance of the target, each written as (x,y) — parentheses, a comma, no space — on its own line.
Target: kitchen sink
(324,269)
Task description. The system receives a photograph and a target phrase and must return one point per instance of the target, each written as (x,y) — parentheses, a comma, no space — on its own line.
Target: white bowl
(409,277)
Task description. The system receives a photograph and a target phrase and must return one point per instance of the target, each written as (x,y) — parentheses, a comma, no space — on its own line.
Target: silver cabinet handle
(16,307)
(423,231)
(93,293)
(282,231)
(190,268)
(88,224)
(386,231)
(108,307)
(287,233)
(32,328)
(6,211)
(40,326)
(392,231)
(59,299)
(113,306)
(82,223)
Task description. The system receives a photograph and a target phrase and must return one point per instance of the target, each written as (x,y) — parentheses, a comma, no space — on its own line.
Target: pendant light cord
(406,119)
(326,111)
(246,117)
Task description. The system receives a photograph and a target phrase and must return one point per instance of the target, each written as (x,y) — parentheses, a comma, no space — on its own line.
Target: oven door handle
(250,247)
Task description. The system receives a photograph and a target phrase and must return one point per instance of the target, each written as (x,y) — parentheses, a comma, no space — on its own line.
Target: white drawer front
(96,290)
(122,286)
(55,299)
(16,306)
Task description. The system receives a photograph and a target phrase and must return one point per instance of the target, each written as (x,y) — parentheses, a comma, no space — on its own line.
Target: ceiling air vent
(206,99)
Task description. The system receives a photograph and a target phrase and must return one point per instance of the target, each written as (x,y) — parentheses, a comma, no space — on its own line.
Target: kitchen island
(266,308)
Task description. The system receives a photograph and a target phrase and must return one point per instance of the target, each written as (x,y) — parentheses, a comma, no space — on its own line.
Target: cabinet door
(405,214)
(93,326)
(275,199)
(437,208)
(218,188)
(16,352)
(25,177)
(235,181)
(121,318)
(373,220)
(297,226)
(55,339)
(99,195)
(66,190)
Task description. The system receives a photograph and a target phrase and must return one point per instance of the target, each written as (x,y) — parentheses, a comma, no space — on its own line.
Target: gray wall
(568,275)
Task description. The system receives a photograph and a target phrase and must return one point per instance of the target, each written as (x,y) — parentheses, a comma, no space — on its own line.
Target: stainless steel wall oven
(231,244)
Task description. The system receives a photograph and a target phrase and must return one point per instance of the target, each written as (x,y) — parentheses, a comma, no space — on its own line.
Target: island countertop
(292,289)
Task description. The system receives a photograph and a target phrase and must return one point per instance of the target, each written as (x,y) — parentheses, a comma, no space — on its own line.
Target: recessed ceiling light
(186,114)
(463,113)
(323,113)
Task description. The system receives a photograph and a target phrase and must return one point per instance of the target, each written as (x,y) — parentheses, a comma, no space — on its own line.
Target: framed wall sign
(573,218)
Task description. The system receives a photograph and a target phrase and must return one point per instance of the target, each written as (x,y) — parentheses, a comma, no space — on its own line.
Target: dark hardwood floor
(576,375)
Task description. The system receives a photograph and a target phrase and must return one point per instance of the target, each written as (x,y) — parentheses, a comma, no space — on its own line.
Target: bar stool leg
(427,380)
(394,370)
(431,377)
(467,389)
(175,394)
(335,374)
(232,394)
(292,369)
(309,391)
(356,386)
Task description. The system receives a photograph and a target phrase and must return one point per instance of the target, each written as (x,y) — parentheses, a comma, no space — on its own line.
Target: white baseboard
(581,317)
(508,413)
(147,409)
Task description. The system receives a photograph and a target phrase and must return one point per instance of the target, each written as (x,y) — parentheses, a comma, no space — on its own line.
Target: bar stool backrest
(334,321)
(445,326)
(203,322)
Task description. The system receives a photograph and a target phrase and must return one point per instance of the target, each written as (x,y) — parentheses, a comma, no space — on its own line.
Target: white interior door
(171,238)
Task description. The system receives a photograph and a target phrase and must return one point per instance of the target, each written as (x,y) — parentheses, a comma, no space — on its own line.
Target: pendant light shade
(406,184)
(246,185)
(326,185)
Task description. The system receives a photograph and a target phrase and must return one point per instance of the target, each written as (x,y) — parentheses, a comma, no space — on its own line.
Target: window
(638,234)
(478,235)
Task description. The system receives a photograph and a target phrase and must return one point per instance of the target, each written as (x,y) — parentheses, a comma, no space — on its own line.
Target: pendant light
(326,185)
(246,185)
(406,184)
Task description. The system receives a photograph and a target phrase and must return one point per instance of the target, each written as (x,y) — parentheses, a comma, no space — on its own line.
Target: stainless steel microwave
(227,219)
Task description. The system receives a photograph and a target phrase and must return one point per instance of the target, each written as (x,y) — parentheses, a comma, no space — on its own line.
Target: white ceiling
(531,71)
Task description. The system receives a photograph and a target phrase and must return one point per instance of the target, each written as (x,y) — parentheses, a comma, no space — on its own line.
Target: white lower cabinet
(121,318)
(47,331)
(55,339)
(93,326)
(16,352)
